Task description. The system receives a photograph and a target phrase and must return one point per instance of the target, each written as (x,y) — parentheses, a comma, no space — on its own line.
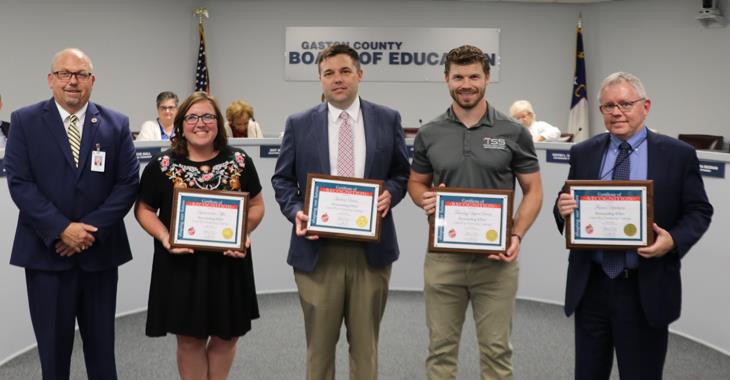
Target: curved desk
(543,257)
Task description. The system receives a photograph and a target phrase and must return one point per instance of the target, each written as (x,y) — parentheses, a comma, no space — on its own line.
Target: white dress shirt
(66,117)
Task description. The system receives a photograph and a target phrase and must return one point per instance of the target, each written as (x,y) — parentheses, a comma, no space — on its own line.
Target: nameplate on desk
(557,155)
(409,150)
(712,168)
(269,151)
(145,154)
(2,168)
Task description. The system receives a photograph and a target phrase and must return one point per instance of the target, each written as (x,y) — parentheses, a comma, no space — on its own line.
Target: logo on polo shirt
(491,143)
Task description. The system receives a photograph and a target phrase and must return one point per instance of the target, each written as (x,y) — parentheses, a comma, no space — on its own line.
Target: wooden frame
(504,198)
(611,190)
(358,187)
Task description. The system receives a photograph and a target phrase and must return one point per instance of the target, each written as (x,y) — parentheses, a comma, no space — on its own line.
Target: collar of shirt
(639,156)
(353,110)
(636,141)
(65,115)
(163,135)
(486,120)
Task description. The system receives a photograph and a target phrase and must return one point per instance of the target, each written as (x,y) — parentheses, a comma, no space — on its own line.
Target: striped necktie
(74,138)
(345,147)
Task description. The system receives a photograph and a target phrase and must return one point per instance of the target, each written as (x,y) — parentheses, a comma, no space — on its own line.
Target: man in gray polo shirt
(473,145)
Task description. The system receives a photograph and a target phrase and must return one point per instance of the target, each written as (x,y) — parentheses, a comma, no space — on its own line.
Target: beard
(478,96)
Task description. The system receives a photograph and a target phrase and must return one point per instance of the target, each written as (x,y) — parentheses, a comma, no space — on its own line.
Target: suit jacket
(304,150)
(680,207)
(51,192)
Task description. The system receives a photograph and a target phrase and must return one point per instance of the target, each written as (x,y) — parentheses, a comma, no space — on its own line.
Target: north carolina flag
(202,82)
(578,118)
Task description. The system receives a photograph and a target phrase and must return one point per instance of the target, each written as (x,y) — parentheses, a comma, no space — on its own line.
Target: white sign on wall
(388,54)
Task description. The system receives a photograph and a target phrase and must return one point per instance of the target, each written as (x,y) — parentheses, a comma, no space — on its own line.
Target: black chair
(703,142)
(566,137)
(410,132)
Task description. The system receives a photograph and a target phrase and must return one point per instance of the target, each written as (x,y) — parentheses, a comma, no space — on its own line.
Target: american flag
(202,81)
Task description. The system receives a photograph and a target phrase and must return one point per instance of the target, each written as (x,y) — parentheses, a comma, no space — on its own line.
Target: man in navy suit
(627,305)
(339,279)
(70,236)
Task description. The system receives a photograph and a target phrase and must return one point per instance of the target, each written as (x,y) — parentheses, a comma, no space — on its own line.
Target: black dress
(206,293)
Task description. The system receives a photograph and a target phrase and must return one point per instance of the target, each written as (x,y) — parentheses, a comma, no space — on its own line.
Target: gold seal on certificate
(610,215)
(343,207)
(471,221)
(209,220)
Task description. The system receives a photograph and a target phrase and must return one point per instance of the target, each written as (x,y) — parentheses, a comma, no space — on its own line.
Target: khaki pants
(342,286)
(451,281)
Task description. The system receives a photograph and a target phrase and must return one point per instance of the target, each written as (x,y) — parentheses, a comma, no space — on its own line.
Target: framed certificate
(610,214)
(471,221)
(343,207)
(208,219)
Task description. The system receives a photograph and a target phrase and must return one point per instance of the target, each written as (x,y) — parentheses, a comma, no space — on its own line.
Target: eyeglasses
(167,108)
(207,118)
(66,75)
(623,106)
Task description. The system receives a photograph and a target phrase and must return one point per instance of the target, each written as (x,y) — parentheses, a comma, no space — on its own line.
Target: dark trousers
(610,317)
(57,300)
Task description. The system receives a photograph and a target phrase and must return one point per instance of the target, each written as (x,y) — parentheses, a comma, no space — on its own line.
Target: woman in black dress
(207,299)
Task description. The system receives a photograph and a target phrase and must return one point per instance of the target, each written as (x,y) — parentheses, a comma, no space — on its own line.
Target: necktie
(614,261)
(74,138)
(345,147)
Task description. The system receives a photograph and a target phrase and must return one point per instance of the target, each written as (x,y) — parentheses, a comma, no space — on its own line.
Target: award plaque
(610,215)
(208,220)
(471,221)
(343,207)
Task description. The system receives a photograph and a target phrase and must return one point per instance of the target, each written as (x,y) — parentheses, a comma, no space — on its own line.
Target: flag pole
(578,120)
(202,78)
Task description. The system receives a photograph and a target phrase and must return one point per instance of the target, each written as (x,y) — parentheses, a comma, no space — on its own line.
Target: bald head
(71,79)
(73,52)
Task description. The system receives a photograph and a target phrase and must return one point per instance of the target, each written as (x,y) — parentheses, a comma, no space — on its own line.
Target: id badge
(98,159)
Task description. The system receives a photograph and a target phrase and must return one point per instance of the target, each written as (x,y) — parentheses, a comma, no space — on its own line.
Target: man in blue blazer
(336,279)
(73,173)
(629,308)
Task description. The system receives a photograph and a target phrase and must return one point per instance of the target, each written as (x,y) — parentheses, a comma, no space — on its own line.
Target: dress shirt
(66,120)
(639,163)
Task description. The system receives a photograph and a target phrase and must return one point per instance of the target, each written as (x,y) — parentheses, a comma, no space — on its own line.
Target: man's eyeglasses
(66,75)
(623,106)
(207,118)
(168,108)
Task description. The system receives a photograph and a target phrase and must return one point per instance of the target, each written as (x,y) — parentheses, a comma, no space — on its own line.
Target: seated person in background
(4,127)
(162,128)
(521,111)
(241,122)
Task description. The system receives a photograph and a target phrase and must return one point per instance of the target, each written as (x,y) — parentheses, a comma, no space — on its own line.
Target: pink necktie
(345,147)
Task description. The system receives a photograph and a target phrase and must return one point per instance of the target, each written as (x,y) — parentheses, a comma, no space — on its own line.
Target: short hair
(338,49)
(179,144)
(521,105)
(619,77)
(237,109)
(466,55)
(166,95)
